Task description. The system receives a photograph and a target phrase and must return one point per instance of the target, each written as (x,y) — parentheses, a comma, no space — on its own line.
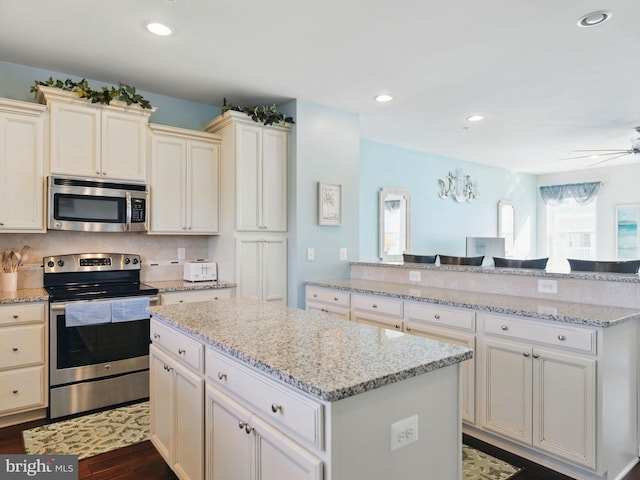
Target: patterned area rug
(91,434)
(102,432)
(477,465)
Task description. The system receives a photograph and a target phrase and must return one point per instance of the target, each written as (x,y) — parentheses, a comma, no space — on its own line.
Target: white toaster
(200,271)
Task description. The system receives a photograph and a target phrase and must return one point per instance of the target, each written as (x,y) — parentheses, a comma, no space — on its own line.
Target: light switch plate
(311,254)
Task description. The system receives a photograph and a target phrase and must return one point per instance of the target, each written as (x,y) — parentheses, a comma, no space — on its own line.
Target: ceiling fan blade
(595,155)
(612,150)
(609,159)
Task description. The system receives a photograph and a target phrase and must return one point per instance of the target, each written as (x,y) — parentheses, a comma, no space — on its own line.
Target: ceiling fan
(609,153)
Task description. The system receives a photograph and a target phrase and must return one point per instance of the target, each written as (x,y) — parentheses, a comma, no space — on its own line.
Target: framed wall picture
(627,233)
(329,204)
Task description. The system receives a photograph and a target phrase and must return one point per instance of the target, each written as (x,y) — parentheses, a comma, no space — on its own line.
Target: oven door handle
(60,307)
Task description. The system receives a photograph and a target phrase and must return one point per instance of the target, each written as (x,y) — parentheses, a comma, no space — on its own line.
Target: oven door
(95,351)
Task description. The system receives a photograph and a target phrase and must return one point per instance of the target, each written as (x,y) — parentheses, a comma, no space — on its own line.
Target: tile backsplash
(157,251)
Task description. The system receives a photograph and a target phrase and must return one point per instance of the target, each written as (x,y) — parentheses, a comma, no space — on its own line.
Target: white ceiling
(544,85)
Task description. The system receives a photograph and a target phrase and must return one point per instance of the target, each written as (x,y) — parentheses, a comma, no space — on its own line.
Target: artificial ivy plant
(104,95)
(266,115)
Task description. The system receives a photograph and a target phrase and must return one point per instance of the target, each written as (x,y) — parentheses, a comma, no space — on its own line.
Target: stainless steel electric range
(98,331)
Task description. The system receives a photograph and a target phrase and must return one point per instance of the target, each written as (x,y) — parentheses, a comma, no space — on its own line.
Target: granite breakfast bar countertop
(545,309)
(326,357)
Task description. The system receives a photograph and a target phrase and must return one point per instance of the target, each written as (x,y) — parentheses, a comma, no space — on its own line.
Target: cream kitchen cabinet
(21,167)
(23,353)
(190,296)
(241,446)
(332,302)
(177,401)
(451,325)
(185,176)
(257,158)
(542,394)
(378,311)
(261,267)
(95,140)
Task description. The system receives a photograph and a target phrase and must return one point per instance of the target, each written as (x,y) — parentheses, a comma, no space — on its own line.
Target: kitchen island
(300,395)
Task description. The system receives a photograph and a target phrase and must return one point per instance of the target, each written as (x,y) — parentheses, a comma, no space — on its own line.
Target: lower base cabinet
(177,414)
(240,446)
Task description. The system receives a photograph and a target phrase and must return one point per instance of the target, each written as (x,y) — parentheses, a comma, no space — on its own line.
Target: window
(571,231)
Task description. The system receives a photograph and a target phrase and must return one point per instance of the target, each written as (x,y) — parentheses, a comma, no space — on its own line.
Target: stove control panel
(91,262)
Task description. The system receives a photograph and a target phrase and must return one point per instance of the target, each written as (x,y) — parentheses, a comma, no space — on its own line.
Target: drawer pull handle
(504,327)
(15,349)
(562,338)
(156,336)
(15,392)
(222,376)
(436,316)
(526,355)
(167,367)
(374,305)
(15,316)
(324,310)
(335,299)
(275,407)
(181,351)
(535,355)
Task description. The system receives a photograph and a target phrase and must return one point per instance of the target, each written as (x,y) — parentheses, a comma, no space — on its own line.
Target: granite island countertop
(326,357)
(577,313)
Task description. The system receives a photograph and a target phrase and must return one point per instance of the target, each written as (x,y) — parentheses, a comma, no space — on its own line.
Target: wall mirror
(507,225)
(394,237)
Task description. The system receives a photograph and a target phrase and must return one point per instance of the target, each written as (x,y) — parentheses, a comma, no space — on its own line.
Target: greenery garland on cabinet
(264,114)
(124,93)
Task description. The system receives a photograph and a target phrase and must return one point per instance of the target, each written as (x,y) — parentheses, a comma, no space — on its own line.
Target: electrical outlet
(343,254)
(311,254)
(548,286)
(414,276)
(181,253)
(404,432)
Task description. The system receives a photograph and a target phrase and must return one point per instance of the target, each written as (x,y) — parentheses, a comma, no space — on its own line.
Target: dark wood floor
(143,462)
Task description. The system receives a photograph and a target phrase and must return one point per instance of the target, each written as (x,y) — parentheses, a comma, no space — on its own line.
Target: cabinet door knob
(222,376)
(526,355)
(562,338)
(374,305)
(15,349)
(408,329)
(15,392)
(397,326)
(436,316)
(156,336)
(15,317)
(504,327)
(275,407)
(315,295)
(535,355)
(241,425)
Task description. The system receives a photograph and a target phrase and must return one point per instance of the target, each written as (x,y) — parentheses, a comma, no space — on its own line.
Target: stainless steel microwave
(96,205)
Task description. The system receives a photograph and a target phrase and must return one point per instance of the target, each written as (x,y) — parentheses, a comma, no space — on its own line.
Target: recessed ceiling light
(594,18)
(475,118)
(158,29)
(384,98)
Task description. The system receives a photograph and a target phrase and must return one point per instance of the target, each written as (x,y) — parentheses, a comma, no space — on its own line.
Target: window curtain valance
(583,193)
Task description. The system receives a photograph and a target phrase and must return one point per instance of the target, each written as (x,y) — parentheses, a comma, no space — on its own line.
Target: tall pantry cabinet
(254,205)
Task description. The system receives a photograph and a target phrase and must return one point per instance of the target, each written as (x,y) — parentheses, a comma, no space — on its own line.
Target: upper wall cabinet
(184,181)
(260,156)
(21,167)
(94,140)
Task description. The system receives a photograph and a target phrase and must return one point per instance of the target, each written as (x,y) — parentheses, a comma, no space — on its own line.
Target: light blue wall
(16,82)
(326,148)
(441,226)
